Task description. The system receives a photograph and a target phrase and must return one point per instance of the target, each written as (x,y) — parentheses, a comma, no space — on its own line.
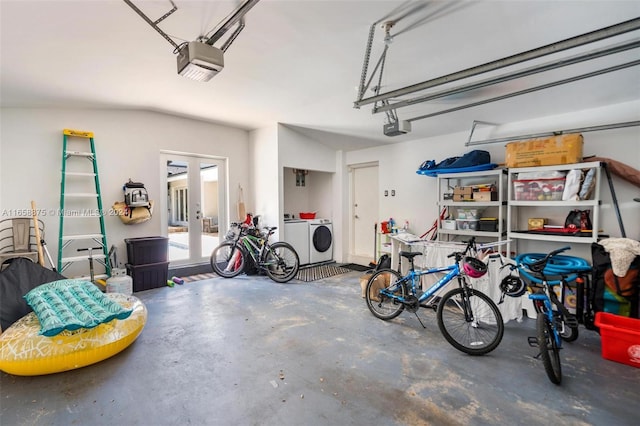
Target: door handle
(356,216)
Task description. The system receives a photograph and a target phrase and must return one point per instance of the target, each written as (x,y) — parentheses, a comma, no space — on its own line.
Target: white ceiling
(298,62)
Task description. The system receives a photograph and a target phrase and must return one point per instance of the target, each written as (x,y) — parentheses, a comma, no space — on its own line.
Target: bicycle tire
(569,333)
(222,257)
(281,262)
(477,337)
(549,351)
(382,306)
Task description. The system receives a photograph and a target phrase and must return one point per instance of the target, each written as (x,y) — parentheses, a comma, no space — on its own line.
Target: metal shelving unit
(517,211)
(447,181)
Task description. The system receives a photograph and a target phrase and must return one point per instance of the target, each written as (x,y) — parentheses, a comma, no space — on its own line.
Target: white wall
(415,198)
(315,196)
(296,150)
(300,152)
(266,177)
(128,145)
(129,142)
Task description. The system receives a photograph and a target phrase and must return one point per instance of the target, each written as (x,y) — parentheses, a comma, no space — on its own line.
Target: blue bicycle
(554,322)
(468,319)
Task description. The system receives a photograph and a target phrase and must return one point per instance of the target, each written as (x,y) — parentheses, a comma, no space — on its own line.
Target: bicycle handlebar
(470,244)
(558,251)
(539,265)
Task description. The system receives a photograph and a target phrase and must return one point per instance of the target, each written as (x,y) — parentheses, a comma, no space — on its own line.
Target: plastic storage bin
(145,250)
(146,277)
(468,224)
(488,224)
(538,189)
(620,338)
(468,214)
(449,224)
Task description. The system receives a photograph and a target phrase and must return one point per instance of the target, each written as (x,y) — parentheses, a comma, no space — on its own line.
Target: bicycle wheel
(281,262)
(569,332)
(381,305)
(227,260)
(549,350)
(476,333)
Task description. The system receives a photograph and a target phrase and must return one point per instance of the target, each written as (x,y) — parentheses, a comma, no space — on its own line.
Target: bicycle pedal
(533,342)
(433,306)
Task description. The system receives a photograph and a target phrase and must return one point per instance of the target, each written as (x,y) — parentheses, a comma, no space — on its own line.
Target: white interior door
(195,206)
(364,213)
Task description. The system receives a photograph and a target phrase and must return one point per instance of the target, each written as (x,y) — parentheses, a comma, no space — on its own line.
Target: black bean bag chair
(16,280)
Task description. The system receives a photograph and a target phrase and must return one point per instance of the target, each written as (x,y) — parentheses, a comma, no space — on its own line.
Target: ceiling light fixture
(200,60)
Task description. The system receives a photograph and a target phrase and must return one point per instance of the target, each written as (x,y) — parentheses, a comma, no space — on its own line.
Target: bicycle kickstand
(419,320)
(533,342)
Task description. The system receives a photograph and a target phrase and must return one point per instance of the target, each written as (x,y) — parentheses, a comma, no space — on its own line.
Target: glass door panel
(194,205)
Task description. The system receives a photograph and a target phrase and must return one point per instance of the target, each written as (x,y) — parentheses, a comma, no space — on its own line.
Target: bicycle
(467,318)
(278,260)
(554,322)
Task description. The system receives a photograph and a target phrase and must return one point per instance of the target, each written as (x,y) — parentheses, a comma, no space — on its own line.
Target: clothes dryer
(320,240)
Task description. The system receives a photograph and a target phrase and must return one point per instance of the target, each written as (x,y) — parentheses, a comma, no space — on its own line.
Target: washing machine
(296,233)
(320,240)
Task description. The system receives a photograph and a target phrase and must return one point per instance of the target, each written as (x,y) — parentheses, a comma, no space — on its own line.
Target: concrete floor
(248,351)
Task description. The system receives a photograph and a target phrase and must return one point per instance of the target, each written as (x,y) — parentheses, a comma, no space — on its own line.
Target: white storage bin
(449,224)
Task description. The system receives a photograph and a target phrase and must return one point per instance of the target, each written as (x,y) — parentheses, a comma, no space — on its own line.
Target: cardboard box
(463,190)
(380,282)
(364,280)
(564,149)
(460,197)
(536,223)
(484,196)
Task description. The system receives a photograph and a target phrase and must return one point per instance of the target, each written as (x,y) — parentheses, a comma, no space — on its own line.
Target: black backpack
(383,262)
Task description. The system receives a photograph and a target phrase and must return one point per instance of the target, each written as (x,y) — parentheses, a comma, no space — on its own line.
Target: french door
(194,208)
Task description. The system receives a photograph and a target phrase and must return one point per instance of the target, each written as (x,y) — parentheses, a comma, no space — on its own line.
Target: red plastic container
(620,338)
(307,215)
(385,227)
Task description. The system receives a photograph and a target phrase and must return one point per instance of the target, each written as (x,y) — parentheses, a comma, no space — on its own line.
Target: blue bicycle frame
(413,275)
(548,312)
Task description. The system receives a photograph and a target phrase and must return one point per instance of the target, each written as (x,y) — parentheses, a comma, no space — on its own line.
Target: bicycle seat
(410,254)
(270,228)
(538,266)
